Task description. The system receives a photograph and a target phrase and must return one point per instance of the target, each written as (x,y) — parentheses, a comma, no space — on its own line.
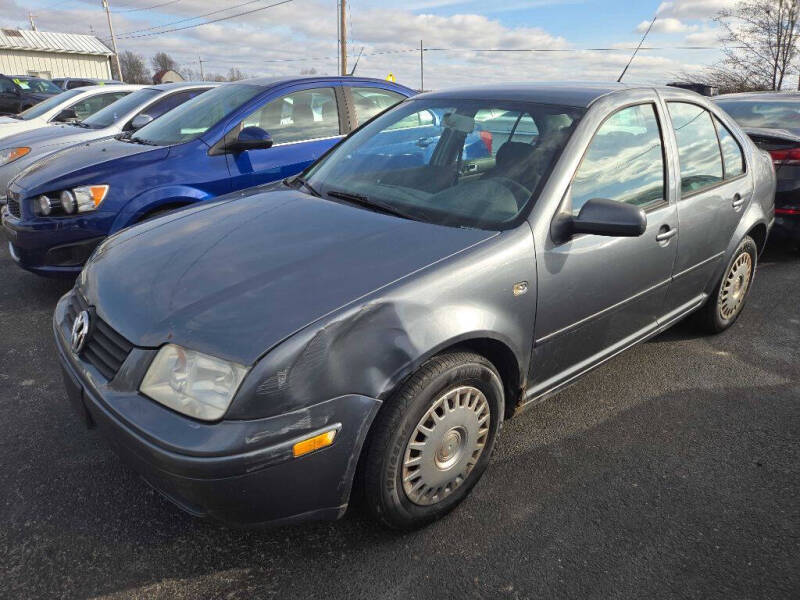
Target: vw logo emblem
(80,331)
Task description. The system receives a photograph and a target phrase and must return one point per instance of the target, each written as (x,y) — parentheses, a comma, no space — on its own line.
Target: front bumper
(51,247)
(240,472)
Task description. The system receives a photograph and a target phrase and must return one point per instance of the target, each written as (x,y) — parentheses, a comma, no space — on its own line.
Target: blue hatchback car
(230,138)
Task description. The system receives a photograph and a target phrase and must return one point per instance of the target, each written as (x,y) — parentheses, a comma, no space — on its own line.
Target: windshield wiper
(306,185)
(369,203)
(137,140)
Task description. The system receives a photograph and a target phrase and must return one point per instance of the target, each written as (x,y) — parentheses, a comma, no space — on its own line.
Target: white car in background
(72,105)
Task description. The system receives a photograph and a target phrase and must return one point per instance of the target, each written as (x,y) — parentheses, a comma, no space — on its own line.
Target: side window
(624,161)
(368,102)
(732,156)
(89,106)
(6,86)
(698,147)
(299,116)
(165,105)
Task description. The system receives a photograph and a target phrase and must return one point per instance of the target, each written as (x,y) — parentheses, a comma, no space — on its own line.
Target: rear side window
(624,161)
(732,156)
(167,104)
(698,148)
(299,116)
(369,101)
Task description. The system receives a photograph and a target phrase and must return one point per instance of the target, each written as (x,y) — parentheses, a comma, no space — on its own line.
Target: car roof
(577,94)
(107,87)
(273,81)
(180,85)
(759,96)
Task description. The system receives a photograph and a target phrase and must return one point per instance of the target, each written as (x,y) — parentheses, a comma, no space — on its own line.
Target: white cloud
(666,25)
(693,9)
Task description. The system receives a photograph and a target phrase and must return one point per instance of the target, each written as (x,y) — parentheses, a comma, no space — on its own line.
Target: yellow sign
(390,77)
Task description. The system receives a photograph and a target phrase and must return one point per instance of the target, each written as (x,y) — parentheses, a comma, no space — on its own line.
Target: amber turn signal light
(314,443)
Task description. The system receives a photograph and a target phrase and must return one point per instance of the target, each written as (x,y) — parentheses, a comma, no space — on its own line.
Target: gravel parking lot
(672,471)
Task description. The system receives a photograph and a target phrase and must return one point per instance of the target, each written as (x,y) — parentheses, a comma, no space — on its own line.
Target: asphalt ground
(673,471)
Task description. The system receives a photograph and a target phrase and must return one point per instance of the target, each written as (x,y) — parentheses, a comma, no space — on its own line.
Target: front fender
(370,347)
(155,198)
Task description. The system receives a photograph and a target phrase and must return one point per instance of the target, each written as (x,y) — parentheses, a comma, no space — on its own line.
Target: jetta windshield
(193,118)
(463,163)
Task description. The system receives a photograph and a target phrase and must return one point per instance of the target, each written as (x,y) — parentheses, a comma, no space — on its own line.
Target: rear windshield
(37,110)
(121,108)
(770,114)
(462,163)
(193,118)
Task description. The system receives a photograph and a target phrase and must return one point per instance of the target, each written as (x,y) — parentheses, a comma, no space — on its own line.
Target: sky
(301,35)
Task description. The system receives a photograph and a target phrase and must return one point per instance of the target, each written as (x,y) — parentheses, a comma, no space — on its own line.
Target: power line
(130,10)
(213,12)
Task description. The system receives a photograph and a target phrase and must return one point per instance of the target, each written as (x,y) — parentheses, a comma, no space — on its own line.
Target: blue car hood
(97,161)
(235,277)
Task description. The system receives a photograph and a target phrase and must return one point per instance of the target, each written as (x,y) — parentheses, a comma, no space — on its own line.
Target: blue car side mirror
(251,138)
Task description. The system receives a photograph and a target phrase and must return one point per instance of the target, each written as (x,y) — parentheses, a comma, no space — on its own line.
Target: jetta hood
(236,277)
(91,162)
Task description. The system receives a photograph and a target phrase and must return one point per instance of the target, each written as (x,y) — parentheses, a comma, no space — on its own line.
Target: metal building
(46,54)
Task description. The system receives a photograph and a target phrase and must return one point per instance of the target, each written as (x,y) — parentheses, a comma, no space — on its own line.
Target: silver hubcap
(734,288)
(446,445)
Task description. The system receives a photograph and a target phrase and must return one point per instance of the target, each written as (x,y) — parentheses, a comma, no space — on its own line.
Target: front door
(598,294)
(9,96)
(303,124)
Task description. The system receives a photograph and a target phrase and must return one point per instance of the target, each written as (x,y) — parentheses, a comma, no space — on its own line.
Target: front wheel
(432,440)
(727,301)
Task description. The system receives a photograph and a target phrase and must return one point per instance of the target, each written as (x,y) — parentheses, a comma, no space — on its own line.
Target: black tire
(383,494)
(711,317)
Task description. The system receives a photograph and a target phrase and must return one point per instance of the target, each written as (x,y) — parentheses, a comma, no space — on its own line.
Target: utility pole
(421,67)
(202,74)
(343,34)
(30,18)
(113,40)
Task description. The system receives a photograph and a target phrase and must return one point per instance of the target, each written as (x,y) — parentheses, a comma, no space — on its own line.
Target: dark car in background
(772,120)
(20,92)
(70,83)
(375,321)
(239,135)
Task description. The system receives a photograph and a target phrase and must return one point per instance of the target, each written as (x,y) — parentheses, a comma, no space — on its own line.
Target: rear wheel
(726,303)
(432,440)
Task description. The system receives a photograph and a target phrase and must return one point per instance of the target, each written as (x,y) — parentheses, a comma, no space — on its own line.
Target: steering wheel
(521,193)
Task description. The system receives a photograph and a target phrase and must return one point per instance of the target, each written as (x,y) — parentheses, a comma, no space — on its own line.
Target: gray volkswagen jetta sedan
(365,328)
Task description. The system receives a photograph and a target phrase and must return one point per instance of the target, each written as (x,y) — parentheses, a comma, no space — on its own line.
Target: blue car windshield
(121,108)
(462,163)
(196,116)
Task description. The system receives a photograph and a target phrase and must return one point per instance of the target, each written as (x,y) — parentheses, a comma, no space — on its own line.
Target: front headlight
(192,383)
(9,155)
(89,197)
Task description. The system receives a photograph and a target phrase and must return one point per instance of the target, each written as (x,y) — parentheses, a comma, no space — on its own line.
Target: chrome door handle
(737,202)
(666,234)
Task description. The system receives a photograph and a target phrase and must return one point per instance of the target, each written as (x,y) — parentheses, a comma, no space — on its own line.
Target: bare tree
(134,69)
(235,74)
(760,38)
(162,61)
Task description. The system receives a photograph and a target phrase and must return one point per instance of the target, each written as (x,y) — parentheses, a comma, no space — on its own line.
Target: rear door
(600,294)
(713,194)
(304,123)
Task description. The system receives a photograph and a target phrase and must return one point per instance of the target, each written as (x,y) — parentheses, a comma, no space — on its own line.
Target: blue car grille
(13,205)
(105,349)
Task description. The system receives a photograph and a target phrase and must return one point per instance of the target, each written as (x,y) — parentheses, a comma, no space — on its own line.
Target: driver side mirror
(600,216)
(140,121)
(68,114)
(251,138)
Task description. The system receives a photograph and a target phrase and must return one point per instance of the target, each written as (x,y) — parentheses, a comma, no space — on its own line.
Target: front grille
(105,349)
(13,207)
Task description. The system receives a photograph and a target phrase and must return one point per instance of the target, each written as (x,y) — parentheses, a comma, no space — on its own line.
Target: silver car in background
(125,115)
